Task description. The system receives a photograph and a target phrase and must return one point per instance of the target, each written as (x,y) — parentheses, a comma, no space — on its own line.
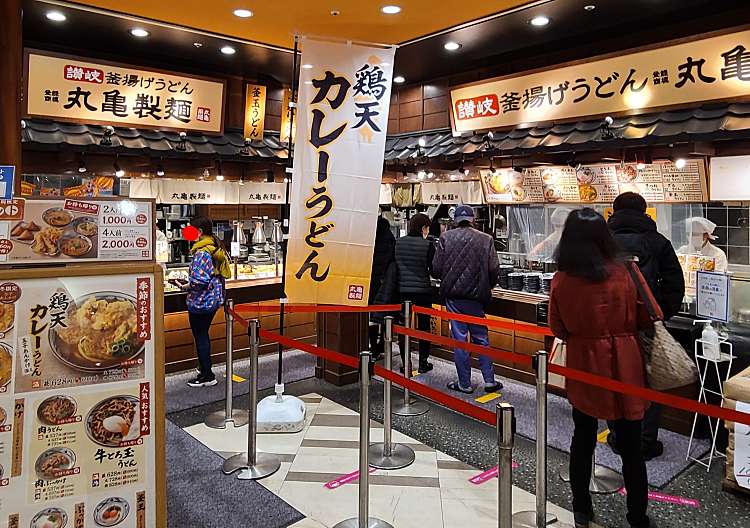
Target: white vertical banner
(341,125)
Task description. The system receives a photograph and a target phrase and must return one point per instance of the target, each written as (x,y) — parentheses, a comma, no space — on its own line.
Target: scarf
(218,254)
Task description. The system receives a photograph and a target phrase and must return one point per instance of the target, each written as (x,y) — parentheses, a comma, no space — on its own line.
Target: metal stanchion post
(539,518)
(409,407)
(505,432)
(604,481)
(363,519)
(386,454)
(253,465)
(239,417)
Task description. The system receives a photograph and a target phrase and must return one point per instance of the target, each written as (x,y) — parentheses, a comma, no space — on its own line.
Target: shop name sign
(83,91)
(710,69)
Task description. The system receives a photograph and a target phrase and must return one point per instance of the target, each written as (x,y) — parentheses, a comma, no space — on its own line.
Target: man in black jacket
(637,235)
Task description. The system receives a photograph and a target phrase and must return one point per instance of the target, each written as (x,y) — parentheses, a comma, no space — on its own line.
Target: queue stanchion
(539,518)
(506,430)
(239,417)
(253,465)
(386,454)
(363,519)
(409,407)
(604,481)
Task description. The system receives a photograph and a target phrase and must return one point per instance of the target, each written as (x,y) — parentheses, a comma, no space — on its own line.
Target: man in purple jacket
(466,264)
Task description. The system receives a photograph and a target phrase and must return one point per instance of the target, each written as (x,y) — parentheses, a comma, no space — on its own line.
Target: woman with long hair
(594,307)
(209,268)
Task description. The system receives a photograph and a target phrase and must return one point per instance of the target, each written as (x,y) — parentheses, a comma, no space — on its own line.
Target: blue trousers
(478,333)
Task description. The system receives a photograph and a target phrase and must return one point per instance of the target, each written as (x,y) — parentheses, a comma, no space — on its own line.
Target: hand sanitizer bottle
(710,341)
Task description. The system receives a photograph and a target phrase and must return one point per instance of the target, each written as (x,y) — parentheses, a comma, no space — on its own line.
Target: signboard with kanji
(716,68)
(80,90)
(255,112)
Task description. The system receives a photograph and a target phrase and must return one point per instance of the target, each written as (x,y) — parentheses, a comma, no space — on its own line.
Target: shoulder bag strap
(642,294)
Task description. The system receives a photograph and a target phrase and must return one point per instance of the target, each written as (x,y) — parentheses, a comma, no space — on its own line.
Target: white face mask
(696,241)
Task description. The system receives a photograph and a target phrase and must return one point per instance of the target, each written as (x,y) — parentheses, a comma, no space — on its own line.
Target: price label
(234,250)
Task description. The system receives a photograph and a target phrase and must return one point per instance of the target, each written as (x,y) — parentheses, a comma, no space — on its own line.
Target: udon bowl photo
(102,332)
(6,365)
(111,511)
(50,518)
(114,420)
(53,462)
(7,318)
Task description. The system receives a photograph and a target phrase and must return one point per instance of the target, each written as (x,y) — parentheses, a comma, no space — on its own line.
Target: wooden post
(11,54)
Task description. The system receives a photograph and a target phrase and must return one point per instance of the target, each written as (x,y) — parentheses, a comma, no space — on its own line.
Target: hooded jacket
(637,235)
(208,270)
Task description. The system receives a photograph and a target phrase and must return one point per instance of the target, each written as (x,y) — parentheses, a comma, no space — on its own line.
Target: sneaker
(203,381)
(425,367)
(493,388)
(652,451)
(582,520)
(455,386)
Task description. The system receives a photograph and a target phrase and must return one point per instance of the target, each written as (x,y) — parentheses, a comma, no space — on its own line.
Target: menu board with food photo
(69,230)
(512,186)
(601,183)
(77,446)
(73,332)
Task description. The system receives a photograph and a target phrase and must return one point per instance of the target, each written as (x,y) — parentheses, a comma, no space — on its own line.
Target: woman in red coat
(594,307)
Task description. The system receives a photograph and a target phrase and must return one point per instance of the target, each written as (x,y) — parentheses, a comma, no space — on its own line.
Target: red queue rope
(315,308)
(519,327)
(428,392)
(494,353)
(678,402)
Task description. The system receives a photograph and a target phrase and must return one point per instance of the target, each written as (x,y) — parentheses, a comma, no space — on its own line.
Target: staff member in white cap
(701,234)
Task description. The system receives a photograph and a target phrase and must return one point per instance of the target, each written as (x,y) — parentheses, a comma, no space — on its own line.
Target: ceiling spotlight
(243,13)
(390,9)
(220,177)
(335,12)
(55,16)
(589,7)
(399,79)
(81,166)
(118,170)
(242,180)
(160,170)
(307,66)
(451,46)
(228,50)
(422,142)
(430,175)
(421,174)
(640,166)
(539,21)
(198,44)
(680,163)
(139,32)
(308,82)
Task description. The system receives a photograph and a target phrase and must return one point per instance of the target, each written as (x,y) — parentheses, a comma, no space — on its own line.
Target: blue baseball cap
(463,213)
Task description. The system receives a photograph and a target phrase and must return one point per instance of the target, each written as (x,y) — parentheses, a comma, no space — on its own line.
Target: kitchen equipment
(532,282)
(502,281)
(515,281)
(259,236)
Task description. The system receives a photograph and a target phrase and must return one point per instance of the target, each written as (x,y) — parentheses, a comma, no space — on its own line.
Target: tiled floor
(434,491)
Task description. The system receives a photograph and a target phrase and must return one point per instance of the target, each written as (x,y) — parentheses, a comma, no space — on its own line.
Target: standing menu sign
(661,182)
(78,400)
(73,231)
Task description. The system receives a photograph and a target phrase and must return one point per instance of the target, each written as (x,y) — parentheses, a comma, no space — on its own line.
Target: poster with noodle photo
(79,331)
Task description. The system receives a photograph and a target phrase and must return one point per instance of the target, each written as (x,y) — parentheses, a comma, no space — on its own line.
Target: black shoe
(582,520)
(493,388)
(203,381)
(455,386)
(652,451)
(425,367)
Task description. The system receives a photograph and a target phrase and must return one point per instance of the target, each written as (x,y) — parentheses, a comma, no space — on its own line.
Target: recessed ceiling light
(198,44)
(228,50)
(539,21)
(55,16)
(589,7)
(399,79)
(680,163)
(308,82)
(243,13)
(307,66)
(451,46)
(390,9)
(139,32)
